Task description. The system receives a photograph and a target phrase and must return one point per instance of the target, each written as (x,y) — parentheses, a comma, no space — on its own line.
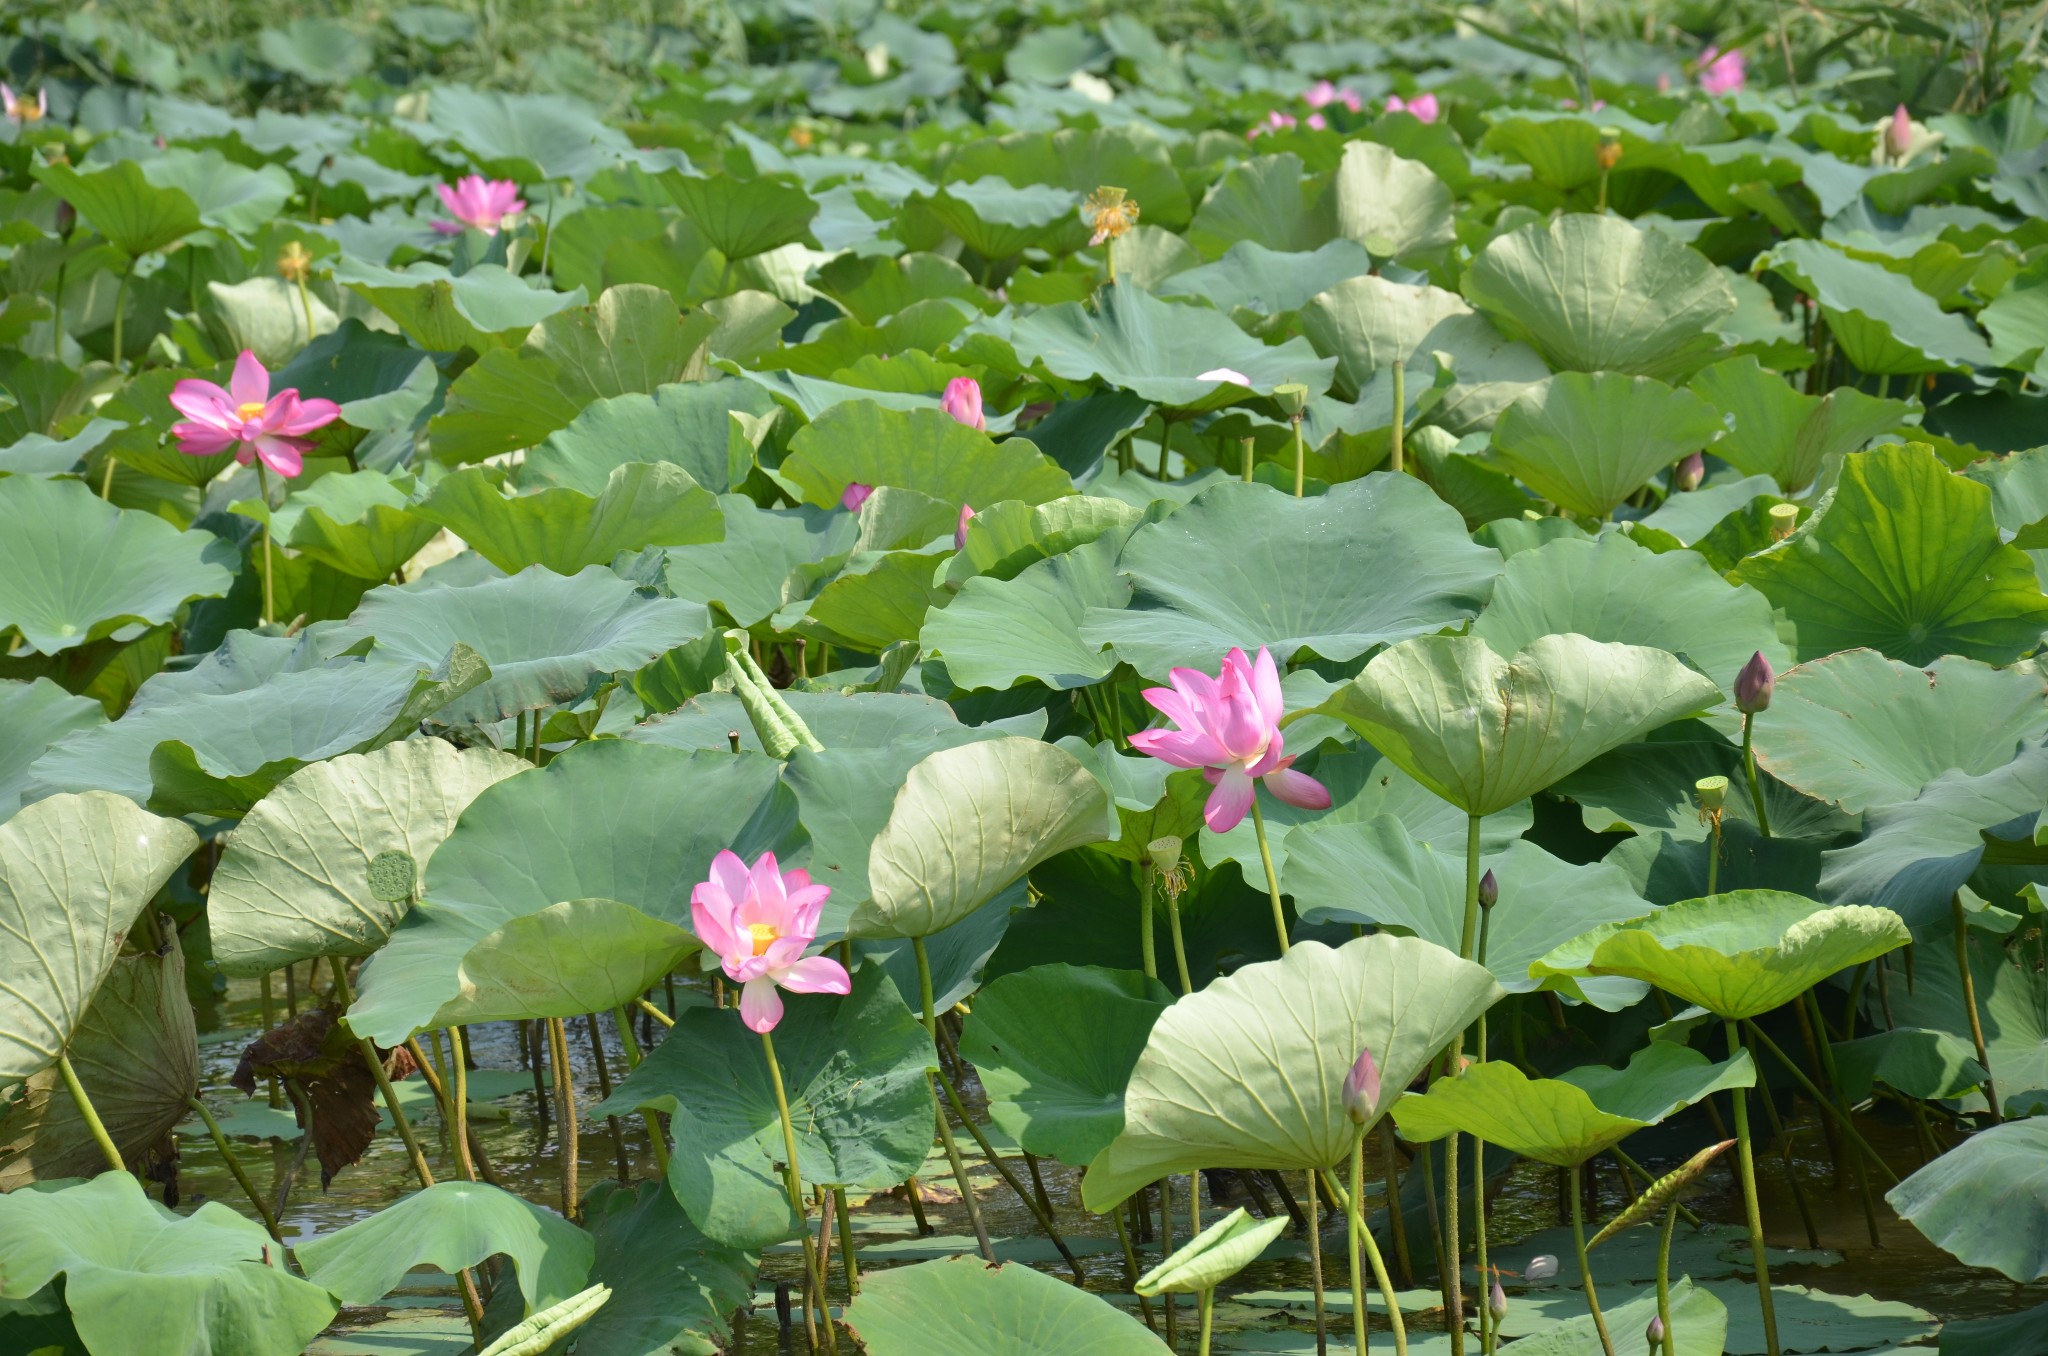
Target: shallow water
(527,1159)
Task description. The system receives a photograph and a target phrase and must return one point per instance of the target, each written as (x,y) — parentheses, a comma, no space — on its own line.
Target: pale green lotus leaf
(1214,1255)
(957,1304)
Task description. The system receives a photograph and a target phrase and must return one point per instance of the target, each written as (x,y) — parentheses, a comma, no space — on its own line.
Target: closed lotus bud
(1489,891)
(1362,1088)
(960,532)
(1690,472)
(1165,854)
(1497,1302)
(1898,134)
(1655,1332)
(1754,685)
(1540,1268)
(67,218)
(1713,793)
(855,495)
(1292,398)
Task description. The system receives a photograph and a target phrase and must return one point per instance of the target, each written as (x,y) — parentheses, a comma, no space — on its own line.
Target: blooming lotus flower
(21,109)
(1754,685)
(1722,72)
(479,202)
(1422,107)
(1230,728)
(960,532)
(247,418)
(1362,1088)
(962,400)
(1322,94)
(856,495)
(1276,121)
(1224,374)
(758,922)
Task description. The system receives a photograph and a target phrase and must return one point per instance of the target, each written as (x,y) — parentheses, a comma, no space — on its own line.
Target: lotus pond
(1033,680)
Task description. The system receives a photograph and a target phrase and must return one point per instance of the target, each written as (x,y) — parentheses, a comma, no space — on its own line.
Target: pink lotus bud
(1898,134)
(1318,123)
(1319,94)
(1722,72)
(960,532)
(1489,891)
(856,495)
(1754,685)
(1362,1089)
(962,400)
(1690,472)
(1497,1302)
(1655,1332)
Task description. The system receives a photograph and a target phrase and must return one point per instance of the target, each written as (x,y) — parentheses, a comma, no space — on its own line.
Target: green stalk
(458,1059)
(220,1142)
(1714,862)
(1396,459)
(931,1026)
(1272,880)
(1354,1225)
(1586,1267)
(847,1260)
(565,1113)
(631,1044)
(306,303)
(1453,1280)
(1969,981)
(92,1117)
(1756,791)
(1747,1163)
(1819,1099)
(1487,1337)
(1123,1238)
(1395,1215)
(1180,946)
(120,306)
(1208,1303)
(1248,442)
(1315,1264)
(1300,460)
(792,1181)
(1145,948)
(1664,1279)
(269,586)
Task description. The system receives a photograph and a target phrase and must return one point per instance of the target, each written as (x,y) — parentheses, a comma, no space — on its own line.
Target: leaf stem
(1315,1264)
(1146,954)
(792,1180)
(1664,1279)
(1272,879)
(1585,1266)
(269,586)
(1820,1100)
(227,1153)
(1969,983)
(1396,453)
(953,1159)
(565,1114)
(1747,1164)
(1354,1225)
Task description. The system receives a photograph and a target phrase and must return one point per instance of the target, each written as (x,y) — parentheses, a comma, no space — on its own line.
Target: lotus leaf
(1776,431)
(1588,442)
(932,1308)
(1214,1255)
(673,1289)
(33,716)
(565,530)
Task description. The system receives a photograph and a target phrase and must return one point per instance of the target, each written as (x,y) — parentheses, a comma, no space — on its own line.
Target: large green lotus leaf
(1699,1325)
(1649,787)
(1587,441)
(1214,1255)
(145,1282)
(578,956)
(855,1072)
(1158,350)
(564,530)
(1985,1202)
(1601,294)
(2012,1008)
(360,523)
(1267,199)
(1665,867)
(743,217)
(1080,159)
(997,220)
(1736,955)
(294,880)
(876,600)
(1934,1065)
(840,720)
(688,423)
(968,822)
(190,750)
(1369,323)
(608,820)
(1786,434)
(1882,323)
(450,1226)
(120,202)
(1915,854)
(74,569)
(957,1304)
(1055,1046)
(75,871)
(1393,207)
(487,307)
(1580,1113)
(2019,1334)
(505,401)
(871,288)
(547,637)
(747,574)
(1861,730)
(632,338)
(1375,871)
(673,1289)
(923,450)
(34,454)
(33,716)
(1905,559)
(1250,565)
(1265,282)
(1249,1072)
(523,136)
(1612,589)
(136,1053)
(1485,732)
(229,196)
(997,632)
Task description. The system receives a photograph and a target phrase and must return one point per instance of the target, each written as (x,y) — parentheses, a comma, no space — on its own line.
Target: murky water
(526,1156)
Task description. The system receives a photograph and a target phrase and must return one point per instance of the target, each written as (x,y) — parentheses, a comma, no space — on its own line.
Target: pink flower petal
(250,384)
(1266,686)
(202,440)
(296,416)
(286,456)
(203,401)
(729,874)
(1181,748)
(1298,789)
(711,919)
(760,1005)
(818,974)
(1230,802)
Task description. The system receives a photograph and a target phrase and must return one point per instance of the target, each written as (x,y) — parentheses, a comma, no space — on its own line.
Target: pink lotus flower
(962,400)
(960,532)
(1230,728)
(1318,122)
(479,202)
(856,495)
(1423,107)
(1322,94)
(247,418)
(1276,121)
(1722,72)
(758,923)
(21,109)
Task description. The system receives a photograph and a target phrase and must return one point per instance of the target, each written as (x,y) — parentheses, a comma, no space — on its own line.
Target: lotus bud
(962,400)
(67,218)
(1362,1089)
(1690,472)
(1753,686)
(1898,134)
(1609,154)
(856,494)
(1497,1301)
(1165,854)
(1783,518)
(1713,793)
(1292,398)
(1540,1268)
(1489,891)
(1655,1332)
(960,532)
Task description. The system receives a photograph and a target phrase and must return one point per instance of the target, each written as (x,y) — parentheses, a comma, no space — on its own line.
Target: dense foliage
(1355,602)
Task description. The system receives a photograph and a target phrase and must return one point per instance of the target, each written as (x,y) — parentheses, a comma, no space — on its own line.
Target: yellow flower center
(764,933)
(248,410)
(26,109)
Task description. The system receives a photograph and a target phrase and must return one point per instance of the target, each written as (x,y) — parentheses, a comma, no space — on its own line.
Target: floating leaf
(943,1307)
